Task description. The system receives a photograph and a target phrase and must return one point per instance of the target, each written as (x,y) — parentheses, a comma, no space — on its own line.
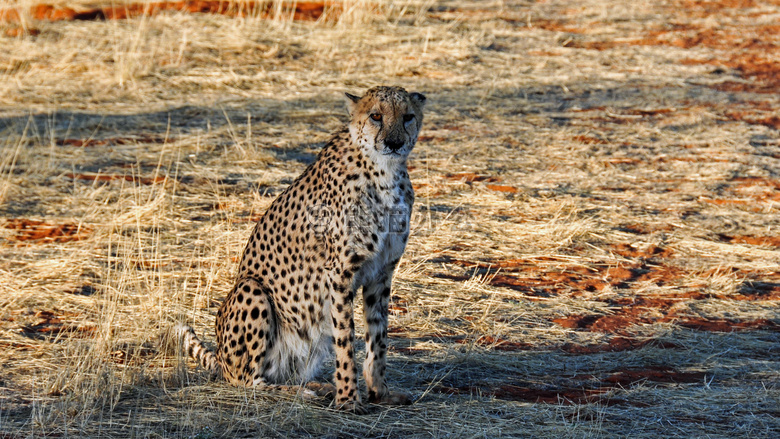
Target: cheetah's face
(386,120)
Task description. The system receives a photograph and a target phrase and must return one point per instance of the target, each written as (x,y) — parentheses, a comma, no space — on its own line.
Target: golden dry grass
(595,249)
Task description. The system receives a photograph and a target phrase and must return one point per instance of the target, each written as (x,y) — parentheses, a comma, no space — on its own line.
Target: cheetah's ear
(418,98)
(352,101)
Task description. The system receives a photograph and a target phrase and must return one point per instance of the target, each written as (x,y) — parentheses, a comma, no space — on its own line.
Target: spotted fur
(339,228)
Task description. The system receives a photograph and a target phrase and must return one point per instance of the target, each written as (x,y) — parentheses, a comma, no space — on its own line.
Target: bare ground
(595,250)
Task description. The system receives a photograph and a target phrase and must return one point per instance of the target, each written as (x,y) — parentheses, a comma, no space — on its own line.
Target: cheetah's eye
(376,117)
(408,118)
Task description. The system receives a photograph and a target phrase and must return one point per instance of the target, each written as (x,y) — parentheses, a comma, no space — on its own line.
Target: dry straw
(597,210)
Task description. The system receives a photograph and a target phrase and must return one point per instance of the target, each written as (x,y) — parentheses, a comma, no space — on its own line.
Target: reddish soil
(686,36)
(651,251)
(592,389)
(16,31)
(748,204)
(649,266)
(397,310)
(748,116)
(40,232)
(752,192)
(765,241)
(756,67)
(628,377)
(767,289)
(616,344)
(745,182)
(706,8)
(625,318)
(621,161)
(693,159)
(720,325)
(502,188)
(470,177)
(17,346)
(304,10)
(52,323)
(425,138)
(574,279)
(398,306)
(745,46)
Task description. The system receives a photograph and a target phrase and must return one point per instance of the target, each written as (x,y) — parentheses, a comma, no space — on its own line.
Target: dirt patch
(549,283)
(750,117)
(748,182)
(745,46)
(764,289)
(575,279)
(659,312)
(502,188)
(617,344)
(567,396)
(764,241)
(36,231)
(629,377)
(647,252)
(720,325)
(706,8)
(687,36)
(539,283)
(749,192)
(470,177)
(305,11)
(763,75)
(17,31)
(581,389)
(45,323)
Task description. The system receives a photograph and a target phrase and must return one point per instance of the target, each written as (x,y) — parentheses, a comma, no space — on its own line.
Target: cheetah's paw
(353,407)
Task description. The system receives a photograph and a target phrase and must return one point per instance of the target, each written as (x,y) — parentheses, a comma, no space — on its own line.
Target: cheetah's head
(386,121)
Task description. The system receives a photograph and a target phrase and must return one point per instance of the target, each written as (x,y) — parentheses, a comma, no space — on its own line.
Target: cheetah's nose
(394,145)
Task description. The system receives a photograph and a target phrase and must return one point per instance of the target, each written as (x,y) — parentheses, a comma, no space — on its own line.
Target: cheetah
(339,228)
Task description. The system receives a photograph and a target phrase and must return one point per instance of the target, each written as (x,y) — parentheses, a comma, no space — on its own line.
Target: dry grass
(595,250)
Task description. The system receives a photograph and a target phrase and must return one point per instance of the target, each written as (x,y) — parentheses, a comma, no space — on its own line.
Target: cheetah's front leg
(345,374)
(376,297)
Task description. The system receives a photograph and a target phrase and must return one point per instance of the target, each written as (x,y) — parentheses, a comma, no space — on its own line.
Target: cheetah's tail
(195,348)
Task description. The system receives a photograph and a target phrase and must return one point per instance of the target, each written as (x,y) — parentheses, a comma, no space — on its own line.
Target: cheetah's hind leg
(184,336)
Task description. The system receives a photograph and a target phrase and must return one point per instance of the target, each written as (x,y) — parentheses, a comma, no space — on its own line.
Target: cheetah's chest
(393,232)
